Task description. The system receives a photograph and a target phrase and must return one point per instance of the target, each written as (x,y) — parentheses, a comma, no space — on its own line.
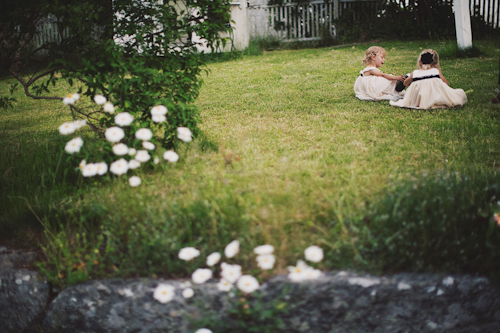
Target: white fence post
(241,35)
(462,24)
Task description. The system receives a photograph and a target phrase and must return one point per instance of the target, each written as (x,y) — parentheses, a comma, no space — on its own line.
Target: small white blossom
(109,107)
(79,123)
(89,170)
(213,258)
(297,273)
(142,156)
(82,164)
(201,275)
(158,118)
(247,284)
(71,98)
(124,119)
(224,285)
(266,261)
(188,293)
(134,181)
(156,160)
(314,253)
(102,168)
(164,293)
(144,134)
(159,110)
(203,330)
(312,274)
(134,164)
(67,128)
(74,145)
(114,134)
(232,249)
(185,285)
(188,253)
(127,292)
(120,149)
(230,272)
(184,134)
(100,99)
(264,249)
(148,145)
(132,151)
(171,156)
(119,167)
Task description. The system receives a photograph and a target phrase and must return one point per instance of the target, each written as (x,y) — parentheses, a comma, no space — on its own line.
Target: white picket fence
(48,32)
(292,21)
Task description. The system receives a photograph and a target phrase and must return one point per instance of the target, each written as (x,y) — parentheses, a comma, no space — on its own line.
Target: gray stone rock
(342,302)
(23,296)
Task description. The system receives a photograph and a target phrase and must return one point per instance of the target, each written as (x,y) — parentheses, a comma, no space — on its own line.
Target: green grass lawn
(289,157)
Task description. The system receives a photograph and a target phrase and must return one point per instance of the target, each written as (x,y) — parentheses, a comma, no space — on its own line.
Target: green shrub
(438,222)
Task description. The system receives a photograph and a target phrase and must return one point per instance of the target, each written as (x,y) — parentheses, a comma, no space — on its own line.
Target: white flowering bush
(129,143)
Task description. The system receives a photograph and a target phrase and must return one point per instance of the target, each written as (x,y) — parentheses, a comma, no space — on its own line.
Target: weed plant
(288,157)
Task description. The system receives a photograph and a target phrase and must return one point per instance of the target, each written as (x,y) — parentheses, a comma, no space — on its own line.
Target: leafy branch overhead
(136,53)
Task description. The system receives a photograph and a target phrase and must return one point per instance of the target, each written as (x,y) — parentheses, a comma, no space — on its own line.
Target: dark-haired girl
(428,88)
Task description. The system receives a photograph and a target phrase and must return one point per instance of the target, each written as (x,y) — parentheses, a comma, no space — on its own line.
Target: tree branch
(26,88)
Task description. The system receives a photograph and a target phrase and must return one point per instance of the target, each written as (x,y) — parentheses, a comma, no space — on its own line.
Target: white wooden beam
(462,24)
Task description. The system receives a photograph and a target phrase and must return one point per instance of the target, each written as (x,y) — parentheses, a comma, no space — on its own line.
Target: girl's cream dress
(428,91)
(375,88)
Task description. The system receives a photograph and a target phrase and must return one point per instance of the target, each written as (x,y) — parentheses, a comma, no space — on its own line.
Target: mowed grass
(289,157)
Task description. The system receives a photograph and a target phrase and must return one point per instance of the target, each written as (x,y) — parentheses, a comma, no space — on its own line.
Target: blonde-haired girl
(372,84)
(428,88)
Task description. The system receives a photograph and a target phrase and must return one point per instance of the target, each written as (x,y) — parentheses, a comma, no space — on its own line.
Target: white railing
(292,21)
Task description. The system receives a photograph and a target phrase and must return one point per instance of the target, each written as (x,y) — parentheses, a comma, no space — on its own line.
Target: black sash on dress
(426,77)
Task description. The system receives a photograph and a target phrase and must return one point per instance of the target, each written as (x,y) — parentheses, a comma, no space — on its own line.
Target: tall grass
(289,157)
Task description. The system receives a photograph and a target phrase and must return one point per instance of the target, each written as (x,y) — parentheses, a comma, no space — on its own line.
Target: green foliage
(451,51)
(246,314)
(7,101)
(440,222)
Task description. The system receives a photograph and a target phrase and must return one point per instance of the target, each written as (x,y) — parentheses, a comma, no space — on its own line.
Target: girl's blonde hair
(434,62)
(372,53)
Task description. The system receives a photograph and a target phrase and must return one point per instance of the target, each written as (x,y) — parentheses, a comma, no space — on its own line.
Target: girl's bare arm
(443,78)
(384,75)
(409,80)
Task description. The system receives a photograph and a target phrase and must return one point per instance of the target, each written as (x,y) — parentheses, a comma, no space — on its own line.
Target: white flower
(230,272)
(203,330)
(120,149)
(124,119)
(185,285)
(71,98)
(148,145)
(184,134)
(74,145)
(132,151)
(266,261)
(201,275)
(213,259)
(119,167)
(314,253)
(247,284)
(142,156)
(158,110)
(79,123)
(82,164)
(102,168)
(224,285)
(312,274)
(171,156)
(89,170)
(144,134)
(158,118)
(188,293)
(232,249)
(100,99)
(114,134)
(67,128)
(297,272)
(164,293)
(134,181)
(264,249)
(156,160)
(134,164)
(109,107)
(188,253)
